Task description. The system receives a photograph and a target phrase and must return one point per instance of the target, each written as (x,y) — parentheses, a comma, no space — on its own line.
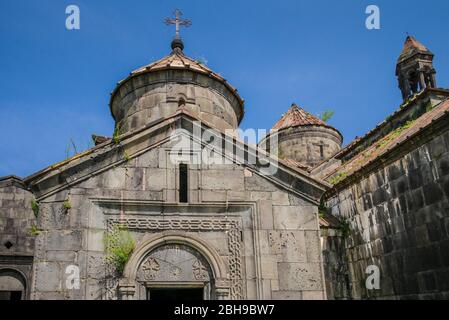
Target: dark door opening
(175,294)
(11,295)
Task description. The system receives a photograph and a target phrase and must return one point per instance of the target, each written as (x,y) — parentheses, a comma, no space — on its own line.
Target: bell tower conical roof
(412,47)
(414,68)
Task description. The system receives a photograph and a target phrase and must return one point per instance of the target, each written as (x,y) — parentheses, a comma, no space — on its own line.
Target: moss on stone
(338,178)
(35,207)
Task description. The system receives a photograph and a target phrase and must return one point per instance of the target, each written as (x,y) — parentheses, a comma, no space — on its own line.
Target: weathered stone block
(312,243)
(432,193)
(95,240)
(48,276)
(213,196)
(149,159)
(312,295)
(155,179)
(287,295)
(290,245)
(260,195)
(269,267)
(300,276)
(64,240)
(280,198)
(61,256)
(257,183)
(222,180)
(134,179)
(292,218)
(266,214)
(114,178)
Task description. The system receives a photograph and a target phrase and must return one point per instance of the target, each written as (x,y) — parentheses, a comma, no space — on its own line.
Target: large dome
(159,89)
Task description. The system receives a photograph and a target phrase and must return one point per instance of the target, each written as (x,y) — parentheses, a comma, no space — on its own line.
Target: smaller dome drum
(303,138)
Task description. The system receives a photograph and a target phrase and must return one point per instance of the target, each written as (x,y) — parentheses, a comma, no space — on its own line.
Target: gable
(165,136)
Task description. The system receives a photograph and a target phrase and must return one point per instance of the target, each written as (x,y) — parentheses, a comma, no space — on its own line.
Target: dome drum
(152,93)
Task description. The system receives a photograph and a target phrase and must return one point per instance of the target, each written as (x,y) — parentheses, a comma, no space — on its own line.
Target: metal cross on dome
(178,22)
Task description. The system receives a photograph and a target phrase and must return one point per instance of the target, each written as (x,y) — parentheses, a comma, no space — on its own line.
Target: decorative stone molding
(222,290)
(126,290)
(228,280)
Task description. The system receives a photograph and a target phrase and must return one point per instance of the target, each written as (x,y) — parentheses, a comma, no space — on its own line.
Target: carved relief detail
(232,228)
(150,268)
(199,270)
(281,240)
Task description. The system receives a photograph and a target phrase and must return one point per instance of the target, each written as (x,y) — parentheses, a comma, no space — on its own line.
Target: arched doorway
(173,264)
(12,285)
(176,271)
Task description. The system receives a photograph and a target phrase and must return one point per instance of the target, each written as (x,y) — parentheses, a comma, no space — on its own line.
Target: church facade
(176,204)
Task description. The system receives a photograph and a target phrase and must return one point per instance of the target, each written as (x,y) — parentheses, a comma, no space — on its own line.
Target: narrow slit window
(322,151)
(183,183)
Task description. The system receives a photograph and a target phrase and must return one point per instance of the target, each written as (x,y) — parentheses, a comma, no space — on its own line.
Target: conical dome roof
(159,89)
(302,138)
(178,60)
(297,116)
(412,47)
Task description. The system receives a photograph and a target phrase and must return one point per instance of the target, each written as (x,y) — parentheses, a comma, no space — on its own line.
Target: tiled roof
(297,116)
(12,180)
(358,141)
(348,147)
(390,141)
(11,177)
(411,47)
(178,60)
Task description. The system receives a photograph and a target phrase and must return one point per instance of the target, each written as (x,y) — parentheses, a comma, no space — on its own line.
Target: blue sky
(55,83)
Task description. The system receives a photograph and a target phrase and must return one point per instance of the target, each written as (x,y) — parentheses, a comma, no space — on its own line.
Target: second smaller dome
(304,138)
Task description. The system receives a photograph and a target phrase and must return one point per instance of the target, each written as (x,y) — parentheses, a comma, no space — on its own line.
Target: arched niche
(175,268)
(174,261)
(12,285)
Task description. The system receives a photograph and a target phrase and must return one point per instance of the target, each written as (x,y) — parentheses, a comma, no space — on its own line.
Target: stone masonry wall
(275,250)
(399,221)
(16,236)
(304,143)
(16,218)
(335,264)
(145,99)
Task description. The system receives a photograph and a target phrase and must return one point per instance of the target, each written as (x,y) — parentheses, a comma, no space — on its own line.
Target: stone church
(175,204)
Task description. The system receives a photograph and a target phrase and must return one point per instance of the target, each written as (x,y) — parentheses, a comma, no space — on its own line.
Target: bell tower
(414,68)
